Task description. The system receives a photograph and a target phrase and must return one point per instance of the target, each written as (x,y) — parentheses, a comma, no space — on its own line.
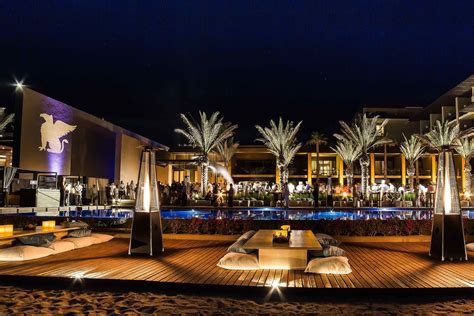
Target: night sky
(140,63)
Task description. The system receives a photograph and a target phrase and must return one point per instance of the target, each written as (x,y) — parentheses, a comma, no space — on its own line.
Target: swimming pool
(310,214)
(268,213)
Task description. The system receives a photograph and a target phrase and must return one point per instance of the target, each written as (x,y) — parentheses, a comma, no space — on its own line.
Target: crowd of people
(222,194)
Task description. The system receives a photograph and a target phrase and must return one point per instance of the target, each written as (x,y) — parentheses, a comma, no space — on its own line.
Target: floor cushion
(81,242)
(83,232)
(237,247)
(330,265)
(40,240)
(62,246)
(333,251)
(22,253)
(100,238)
(327,240)
(470,246)
(239,261)
(75,224)
(247,235)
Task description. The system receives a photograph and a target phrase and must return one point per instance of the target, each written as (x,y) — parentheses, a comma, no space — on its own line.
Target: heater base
(146,236)
(447,238)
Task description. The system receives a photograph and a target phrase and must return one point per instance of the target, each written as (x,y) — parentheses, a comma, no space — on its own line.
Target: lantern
(447,234)
(146,235)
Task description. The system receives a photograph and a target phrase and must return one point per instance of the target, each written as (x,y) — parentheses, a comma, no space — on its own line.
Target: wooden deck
(375,266)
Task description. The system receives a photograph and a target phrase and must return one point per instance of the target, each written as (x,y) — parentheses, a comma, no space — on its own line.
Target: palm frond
(348,151)
(446,135)
(364,131)
(206,133)
(413,148)
(466,148)
(280,140)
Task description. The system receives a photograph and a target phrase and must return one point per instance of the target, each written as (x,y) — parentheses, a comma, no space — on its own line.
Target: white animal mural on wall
(51,133)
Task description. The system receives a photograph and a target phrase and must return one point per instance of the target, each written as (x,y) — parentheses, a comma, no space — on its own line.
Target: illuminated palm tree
(205,135)
(281,142)
(364,132)
(5,121)
(466,150)
(349,153)
(226,151)
(413,149)
(317,139)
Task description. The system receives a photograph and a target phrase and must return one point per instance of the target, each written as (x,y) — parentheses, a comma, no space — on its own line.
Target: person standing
(78,193)
(316,194)
(121,190)
(184,195)
(230,196)
(286,194)
(67,194)
(132,190)
(95,195)
(112,191)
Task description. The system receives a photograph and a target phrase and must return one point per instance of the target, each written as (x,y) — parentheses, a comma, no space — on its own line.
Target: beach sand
(15,300)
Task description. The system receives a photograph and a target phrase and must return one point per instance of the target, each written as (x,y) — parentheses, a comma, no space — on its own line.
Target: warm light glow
(146,195)
(49,225)
(6,230)
(447,190)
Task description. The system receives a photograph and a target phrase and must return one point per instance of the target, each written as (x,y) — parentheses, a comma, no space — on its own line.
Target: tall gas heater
(146,235)
(447,234)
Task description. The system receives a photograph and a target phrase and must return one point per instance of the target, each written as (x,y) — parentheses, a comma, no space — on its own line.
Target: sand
(15,300)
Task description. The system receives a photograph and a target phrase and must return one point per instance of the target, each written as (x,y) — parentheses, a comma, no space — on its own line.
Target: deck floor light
(146,235)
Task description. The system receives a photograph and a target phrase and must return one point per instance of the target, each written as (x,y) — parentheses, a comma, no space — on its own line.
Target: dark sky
(140,63)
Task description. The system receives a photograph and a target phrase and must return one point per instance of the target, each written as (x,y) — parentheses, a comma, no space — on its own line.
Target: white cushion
(470,246)
(333,251)
(62,246)
(21,253)
(331,265)
(239,261)
(80,242)
(100,238)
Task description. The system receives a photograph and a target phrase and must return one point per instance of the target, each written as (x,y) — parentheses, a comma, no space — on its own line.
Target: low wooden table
(58,231)
(287,256)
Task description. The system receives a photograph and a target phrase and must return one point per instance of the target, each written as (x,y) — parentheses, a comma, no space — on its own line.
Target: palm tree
(205,135)
(349,152)
(413,149)
(226,151)
(281,142)
(466,150)
(317,139)
(364,132)
(5,120)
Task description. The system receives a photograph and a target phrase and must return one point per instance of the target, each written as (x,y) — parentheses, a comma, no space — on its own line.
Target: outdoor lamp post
(447,234)
(147,235)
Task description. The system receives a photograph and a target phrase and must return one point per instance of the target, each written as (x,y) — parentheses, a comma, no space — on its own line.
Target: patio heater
(447,234)
(147,236)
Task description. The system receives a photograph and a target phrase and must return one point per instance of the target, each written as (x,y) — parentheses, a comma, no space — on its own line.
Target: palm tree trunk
(411,176)
(349,177)
(204,178)
(317,162)
(467,177)
(364,166)
(282,176)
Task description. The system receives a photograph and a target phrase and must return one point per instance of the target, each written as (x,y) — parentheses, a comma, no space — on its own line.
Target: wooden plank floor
(375,265)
